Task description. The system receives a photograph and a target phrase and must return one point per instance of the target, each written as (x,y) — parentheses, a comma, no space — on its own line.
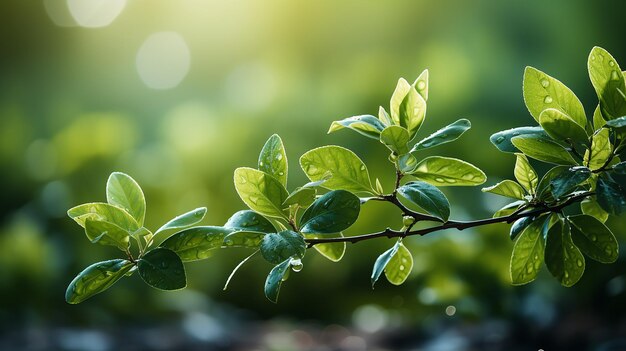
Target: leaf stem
(459,225)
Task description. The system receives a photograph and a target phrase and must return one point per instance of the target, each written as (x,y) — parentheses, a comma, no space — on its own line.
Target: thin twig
(459,225)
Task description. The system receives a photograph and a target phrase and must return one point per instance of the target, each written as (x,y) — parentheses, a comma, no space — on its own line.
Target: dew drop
(260,163)
(421,85)
(296,265)
(593,57)
(566,274)
(615,75)
(579,263)
(311,169)
(547,99)
(281,173)
(611,63)
(279,157)
(440,180)
(254,199)
(401,267)
(545,83)
(594,237)
(362,167)
(530,269)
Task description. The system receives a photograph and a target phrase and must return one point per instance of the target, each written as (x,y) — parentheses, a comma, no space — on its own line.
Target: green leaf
(367,125)
(261,192)
(543,150)
(619,168)
(407,163)
(407,107)
(275,279)
(332,251)
(508,209)
(331,213)
(527,254)
(412,112)
(562,127)
(383,260)
(502,140)
(396,139)
(611,195)
(273,159)
(598,120)
(123,191)
(608,81)
(196,243)
(277,247)
(590,207)
(106,233)
(402,89)
(563,259)
(427,197)
(249,221)
(617,123)
(445,171)
(399,266)
(525,174)
(346,169)
(444,135)
(518,226)
(594,239)
(95,279)
(421,84)
(384,117)
(99,211)
(506,188)
(184,220)
(302,197)
(543,92)
(544,189)
(161,268)
(600,151)
(568,180)
(250,240)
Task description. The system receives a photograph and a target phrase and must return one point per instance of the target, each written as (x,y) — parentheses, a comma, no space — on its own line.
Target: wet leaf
(95,279)
(445,171)
(366,125)
(123,191)
(161,268)
(346,170)
(277,247)
(196,243)
(331,213)
(261,192)
(273,159)
(428,197)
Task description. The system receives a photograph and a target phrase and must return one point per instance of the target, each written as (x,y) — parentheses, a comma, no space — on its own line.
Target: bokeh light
(163,60)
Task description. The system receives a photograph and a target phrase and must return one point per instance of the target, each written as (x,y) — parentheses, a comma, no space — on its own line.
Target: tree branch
(459,225)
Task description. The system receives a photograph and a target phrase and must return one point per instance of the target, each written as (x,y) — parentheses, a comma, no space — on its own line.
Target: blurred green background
(179,94)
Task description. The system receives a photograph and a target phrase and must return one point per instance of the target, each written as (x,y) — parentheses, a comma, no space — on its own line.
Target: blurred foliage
(73,108)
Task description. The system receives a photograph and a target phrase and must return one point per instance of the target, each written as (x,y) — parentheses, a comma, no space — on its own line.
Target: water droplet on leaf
(547,99)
